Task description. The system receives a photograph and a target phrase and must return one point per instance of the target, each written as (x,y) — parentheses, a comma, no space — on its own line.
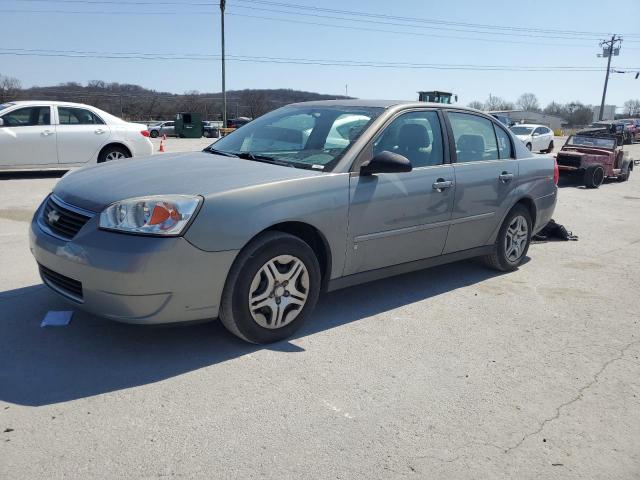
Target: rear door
(27,137)
(81,135)
(396,218)
(486,174)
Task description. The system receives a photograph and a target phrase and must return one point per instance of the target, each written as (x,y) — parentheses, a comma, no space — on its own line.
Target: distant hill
(134,102)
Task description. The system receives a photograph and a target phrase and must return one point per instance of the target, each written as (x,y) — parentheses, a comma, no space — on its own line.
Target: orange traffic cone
(161,149)
(164,137)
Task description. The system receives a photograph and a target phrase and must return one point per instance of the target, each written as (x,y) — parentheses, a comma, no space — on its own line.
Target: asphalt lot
(455,372)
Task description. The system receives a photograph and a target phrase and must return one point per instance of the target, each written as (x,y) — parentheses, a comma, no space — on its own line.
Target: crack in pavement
(574,399)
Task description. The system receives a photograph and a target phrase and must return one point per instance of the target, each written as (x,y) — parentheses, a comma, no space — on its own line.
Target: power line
(336,11)
(296,21)
(296,61)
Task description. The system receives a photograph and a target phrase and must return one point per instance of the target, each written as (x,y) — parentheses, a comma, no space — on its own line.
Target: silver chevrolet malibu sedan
(311,197)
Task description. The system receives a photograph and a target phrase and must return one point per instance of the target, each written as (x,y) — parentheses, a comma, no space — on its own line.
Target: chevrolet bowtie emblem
(53,217)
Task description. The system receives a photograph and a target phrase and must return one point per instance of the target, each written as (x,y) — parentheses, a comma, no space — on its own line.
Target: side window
(77,116)
(504,143)
(474,136)
(415,135)
(27,117)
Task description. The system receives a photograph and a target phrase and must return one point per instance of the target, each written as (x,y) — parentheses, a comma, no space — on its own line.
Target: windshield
(5,105)
(580,141)
(303,137)
(522,130)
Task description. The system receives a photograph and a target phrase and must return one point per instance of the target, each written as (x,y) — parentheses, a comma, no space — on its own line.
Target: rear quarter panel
(536,184)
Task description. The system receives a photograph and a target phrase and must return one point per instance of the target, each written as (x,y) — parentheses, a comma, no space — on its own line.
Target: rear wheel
(114,152)
(271,289)
(513,241)
(593,176)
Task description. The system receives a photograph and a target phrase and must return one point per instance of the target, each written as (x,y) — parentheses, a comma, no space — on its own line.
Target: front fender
(229,220)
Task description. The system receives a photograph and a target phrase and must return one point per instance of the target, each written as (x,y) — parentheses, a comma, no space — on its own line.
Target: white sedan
(537,138)
(60,135)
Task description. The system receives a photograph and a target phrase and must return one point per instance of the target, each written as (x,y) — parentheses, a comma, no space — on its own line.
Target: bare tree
(497,103)
(632,108)
(476,104)
(256,102)
(9,88)
(556,109)
(528,102)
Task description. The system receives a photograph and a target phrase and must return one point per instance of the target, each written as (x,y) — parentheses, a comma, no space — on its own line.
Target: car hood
(194,173)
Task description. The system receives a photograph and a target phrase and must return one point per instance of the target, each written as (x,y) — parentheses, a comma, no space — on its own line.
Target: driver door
(402,217)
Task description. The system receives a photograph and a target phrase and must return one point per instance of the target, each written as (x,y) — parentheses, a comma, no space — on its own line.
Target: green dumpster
(189,125)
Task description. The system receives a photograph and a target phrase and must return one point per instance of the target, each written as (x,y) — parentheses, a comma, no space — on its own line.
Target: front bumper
(130,278)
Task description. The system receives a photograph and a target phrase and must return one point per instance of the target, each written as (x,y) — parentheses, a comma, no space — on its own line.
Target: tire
(593,176)
(550,149)
(513,241)
(154,133)
(529,147)
(623,177)
(114,152)
(206,134)
(259,277)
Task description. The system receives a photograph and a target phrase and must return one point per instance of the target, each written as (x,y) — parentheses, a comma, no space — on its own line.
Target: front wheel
(549,149)
(529,146)
(154,133)
(593,176)
(272,287)
(513,241)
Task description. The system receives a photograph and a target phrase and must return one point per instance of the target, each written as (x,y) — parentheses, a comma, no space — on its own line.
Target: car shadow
(91,356)
(576,181)
(32,174)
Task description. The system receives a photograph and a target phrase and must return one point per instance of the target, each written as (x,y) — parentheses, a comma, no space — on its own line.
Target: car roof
(46,102)
(356,102)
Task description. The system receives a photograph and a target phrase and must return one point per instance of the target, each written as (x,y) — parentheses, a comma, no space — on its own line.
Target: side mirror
(386,162)
(536,134)
(1,122)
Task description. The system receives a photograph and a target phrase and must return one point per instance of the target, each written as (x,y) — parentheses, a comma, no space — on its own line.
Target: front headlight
(156,215)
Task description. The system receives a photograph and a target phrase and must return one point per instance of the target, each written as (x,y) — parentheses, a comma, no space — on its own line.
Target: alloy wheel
(279,291)
(516,238)
(115,155)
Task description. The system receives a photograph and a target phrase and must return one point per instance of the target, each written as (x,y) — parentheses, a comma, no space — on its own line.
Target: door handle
(506,177)
(46,133)
(442,184)
(99,131)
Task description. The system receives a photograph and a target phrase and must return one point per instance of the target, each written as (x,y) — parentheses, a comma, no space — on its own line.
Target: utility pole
(224,87)
(608,47)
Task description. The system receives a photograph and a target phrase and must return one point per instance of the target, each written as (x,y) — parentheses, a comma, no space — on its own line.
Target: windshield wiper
(262,158)
(220,152)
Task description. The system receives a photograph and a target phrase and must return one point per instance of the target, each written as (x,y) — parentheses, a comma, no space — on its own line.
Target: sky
(276,33)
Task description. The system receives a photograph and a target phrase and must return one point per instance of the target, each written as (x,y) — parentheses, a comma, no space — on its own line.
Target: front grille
(569,160)
(65,285)
(63,220)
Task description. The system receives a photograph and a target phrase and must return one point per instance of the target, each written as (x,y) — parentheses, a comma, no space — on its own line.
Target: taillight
(145,133)
(556,171)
